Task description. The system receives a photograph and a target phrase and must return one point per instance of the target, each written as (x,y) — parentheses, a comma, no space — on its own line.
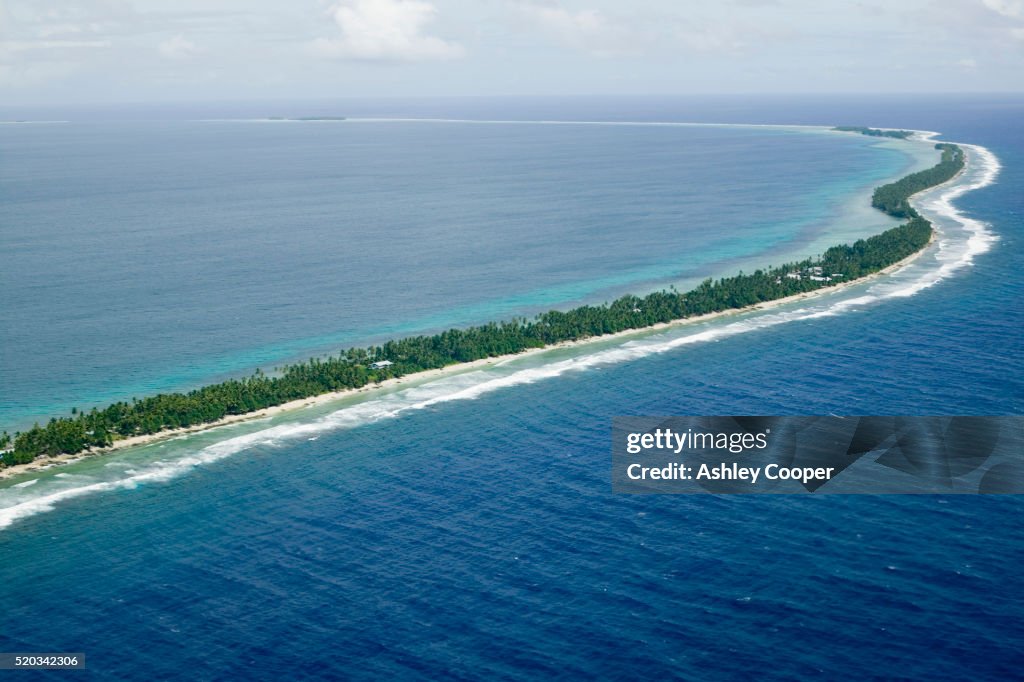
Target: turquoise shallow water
(468,529)
(154,256)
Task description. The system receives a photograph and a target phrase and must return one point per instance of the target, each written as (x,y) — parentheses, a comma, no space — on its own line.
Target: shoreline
(46,462)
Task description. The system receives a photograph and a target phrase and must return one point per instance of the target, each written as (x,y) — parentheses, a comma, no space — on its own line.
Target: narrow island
(355,368)
(875,132)
(307,118)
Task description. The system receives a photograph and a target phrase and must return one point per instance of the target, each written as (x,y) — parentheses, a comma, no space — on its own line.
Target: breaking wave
(959,239)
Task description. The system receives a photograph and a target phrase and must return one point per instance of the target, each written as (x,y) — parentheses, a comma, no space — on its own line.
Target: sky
(58,52)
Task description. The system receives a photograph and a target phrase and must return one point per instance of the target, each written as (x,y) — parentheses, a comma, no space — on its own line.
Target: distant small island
(355,368)
(875,132)
(307,118)
(27,120)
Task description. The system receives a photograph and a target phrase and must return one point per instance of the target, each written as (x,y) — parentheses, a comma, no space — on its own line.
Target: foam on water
(959,239)
(543,122)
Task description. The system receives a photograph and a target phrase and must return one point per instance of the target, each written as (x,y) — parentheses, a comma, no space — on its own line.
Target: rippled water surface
(466,527)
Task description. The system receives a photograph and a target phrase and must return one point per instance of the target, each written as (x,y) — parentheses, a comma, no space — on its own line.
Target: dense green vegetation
(355,367)
(894,197)
(875,132)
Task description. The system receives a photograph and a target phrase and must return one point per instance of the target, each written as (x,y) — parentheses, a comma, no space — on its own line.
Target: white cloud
(720,39)
(1008,8)
(661,32)
(585,22)
(385,30)
(60,29)
(31,73)
(178,47)
(26,45)
(588,30)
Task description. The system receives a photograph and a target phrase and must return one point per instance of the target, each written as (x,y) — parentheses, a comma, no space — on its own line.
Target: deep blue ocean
(466,529)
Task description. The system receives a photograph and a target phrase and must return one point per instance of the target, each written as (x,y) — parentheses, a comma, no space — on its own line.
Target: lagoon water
(150,256)
(466,528)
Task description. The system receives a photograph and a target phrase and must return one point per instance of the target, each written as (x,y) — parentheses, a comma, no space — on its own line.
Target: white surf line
(399,119)
(472,385)
(669,124)
(982,237)
(951,254)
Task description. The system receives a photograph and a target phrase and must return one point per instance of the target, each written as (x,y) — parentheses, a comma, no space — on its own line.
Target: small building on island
(381,364)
